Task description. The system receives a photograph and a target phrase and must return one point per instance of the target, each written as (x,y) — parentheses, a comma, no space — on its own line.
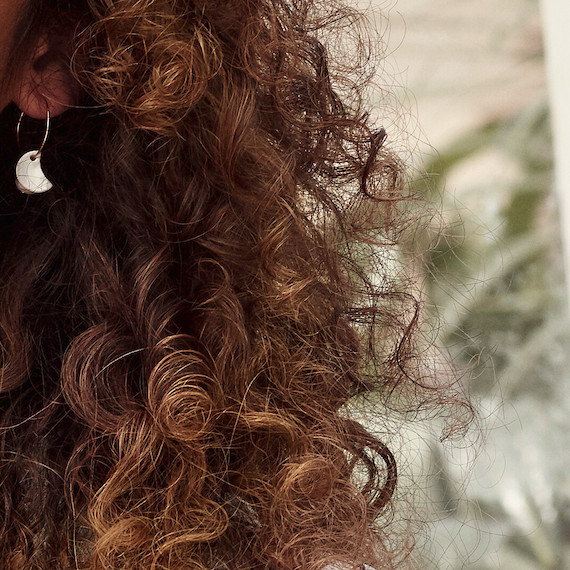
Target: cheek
(9,10)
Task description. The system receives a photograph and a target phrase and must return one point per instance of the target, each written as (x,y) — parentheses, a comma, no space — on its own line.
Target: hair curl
(184,316)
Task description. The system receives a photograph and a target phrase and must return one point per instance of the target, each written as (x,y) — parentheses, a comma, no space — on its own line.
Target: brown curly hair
(185,315)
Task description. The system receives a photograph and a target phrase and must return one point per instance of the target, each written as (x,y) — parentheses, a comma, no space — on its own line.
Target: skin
(42,83)
(9,11)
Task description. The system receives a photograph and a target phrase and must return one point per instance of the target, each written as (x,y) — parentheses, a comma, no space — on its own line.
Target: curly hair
(185,316)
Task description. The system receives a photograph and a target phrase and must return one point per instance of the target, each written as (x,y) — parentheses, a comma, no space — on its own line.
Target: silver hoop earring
(30,178)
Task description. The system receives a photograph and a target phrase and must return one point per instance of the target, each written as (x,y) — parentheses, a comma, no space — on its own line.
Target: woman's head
(35,45)
(185,314)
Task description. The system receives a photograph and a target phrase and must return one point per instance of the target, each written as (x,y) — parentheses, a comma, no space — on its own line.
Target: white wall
(556,23)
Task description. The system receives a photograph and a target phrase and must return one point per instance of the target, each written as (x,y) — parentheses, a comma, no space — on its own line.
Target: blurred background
(472,74)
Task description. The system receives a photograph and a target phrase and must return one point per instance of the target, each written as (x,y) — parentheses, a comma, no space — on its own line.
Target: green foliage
(493,276)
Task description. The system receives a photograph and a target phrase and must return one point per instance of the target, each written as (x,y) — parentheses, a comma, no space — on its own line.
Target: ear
(45,84)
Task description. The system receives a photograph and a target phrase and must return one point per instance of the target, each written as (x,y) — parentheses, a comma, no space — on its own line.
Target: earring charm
(30,177)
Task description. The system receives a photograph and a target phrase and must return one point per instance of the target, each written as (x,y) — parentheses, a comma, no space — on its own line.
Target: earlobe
(45,84)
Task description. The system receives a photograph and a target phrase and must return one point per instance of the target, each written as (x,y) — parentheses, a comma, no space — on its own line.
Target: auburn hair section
(185,316)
